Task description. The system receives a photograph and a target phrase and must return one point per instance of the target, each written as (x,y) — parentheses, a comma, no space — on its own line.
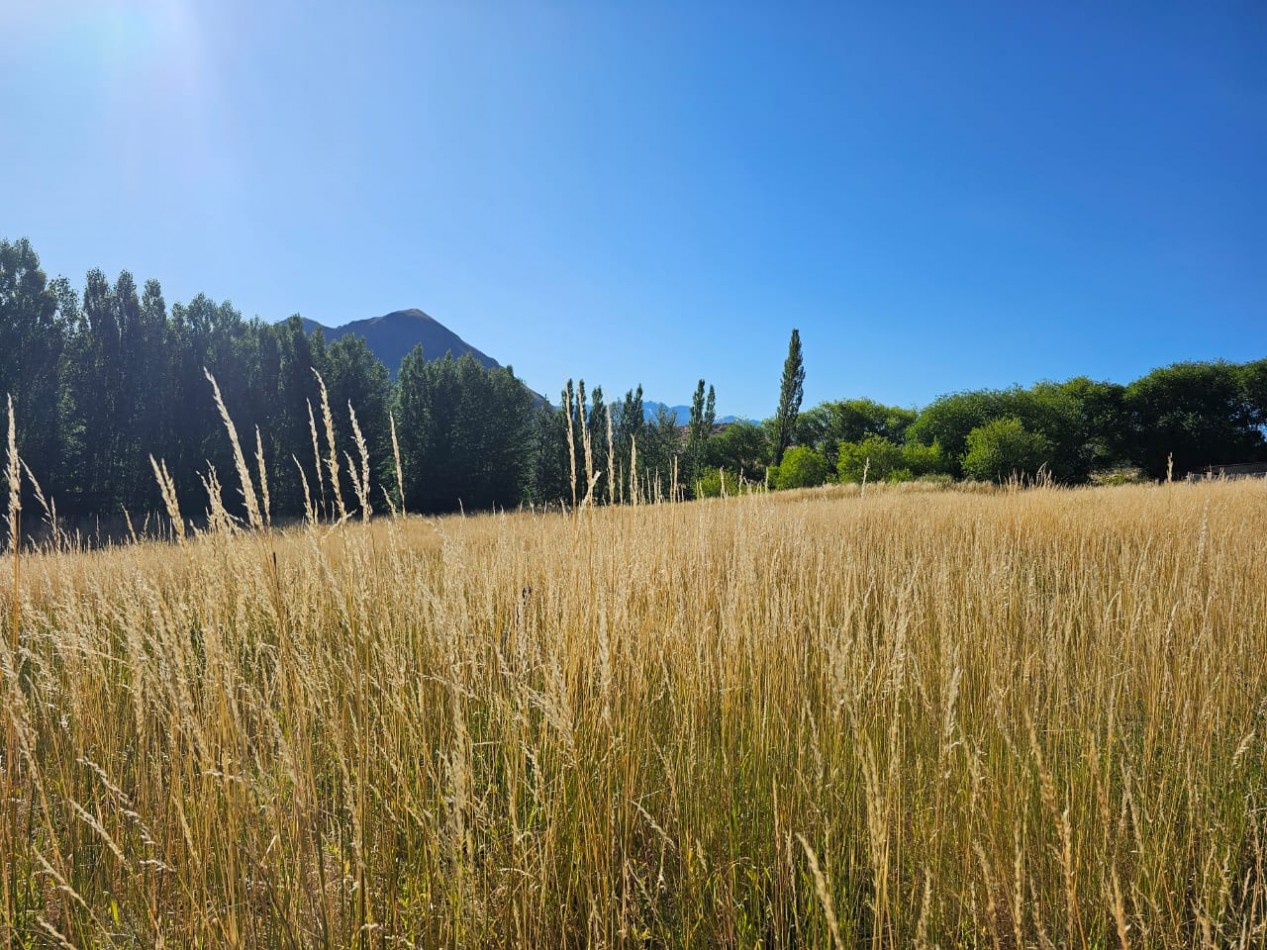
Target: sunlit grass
(910,718)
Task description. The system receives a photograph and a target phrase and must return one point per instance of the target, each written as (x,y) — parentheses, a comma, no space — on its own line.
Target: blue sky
(939,196)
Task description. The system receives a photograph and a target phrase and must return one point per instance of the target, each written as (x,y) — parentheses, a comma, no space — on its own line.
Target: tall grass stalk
(239,460)
(611,457)
(167,490)
(569,411)
(263,471)
(400,472)
(591,477)
(14,475)
(363,483)
(310,509)
(316,456)
(332,460)
(633,470)
(9,843)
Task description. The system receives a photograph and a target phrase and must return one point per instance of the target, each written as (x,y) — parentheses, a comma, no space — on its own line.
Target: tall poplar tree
(791,392)
(700,427)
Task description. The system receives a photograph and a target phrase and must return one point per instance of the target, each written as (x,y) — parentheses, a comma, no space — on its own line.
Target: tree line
(1173,421)
(105,377)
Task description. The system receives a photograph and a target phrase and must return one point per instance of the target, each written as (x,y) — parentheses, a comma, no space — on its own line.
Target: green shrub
(712,482)
(925,459)
(741,447)
(1004,448)
(874,455)
(886,461)
(802,467)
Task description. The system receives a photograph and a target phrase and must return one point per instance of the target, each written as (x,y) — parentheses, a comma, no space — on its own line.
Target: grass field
(914,718)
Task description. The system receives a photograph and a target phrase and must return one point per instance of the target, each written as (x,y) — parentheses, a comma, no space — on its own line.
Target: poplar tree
(700,427)
(791,393)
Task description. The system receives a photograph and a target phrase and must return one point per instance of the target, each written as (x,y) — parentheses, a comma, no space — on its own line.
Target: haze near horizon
(937,199)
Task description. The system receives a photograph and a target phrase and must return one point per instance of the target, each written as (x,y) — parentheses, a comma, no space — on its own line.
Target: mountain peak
(391,336)
(400,316)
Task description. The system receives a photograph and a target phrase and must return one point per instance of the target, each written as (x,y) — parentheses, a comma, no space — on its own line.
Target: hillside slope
(392,336)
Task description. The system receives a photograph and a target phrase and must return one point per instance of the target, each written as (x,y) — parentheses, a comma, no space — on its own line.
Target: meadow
(914,717)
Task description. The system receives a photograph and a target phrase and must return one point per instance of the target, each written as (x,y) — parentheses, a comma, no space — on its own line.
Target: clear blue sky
(939,195)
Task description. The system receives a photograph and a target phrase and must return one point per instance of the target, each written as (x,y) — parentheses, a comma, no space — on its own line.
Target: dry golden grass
(907,719)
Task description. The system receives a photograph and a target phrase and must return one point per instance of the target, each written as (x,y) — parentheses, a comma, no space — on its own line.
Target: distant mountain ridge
(681,413)
(391,337)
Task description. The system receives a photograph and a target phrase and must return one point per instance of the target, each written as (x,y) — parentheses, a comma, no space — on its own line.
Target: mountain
(392,336)
(681,413)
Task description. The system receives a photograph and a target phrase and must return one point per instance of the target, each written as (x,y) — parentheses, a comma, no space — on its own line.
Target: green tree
(852,420)
(205,334)
(1106,427)
(1004,448)
(32,338)
(921,460)
(698,431)
(115,382)
(596,425)
(413,422)
(630,422)
(146,421)
(802,467)
(355,377)
(948,419)
(791,392)
(658,449)
(104,380)
(1253,379)
(875,458)
(293,389)
(716,482)
(465,434)
(1048,409)
(1199,413)
(741,447)
(550,478)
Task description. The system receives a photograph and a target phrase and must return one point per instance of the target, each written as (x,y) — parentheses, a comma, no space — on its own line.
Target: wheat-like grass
(591,476)
(316,456)
(569,410)
(332,460)
(927,718)
(14,474)
(310,508)
(239,460)
(263,470)
(611,457)
(9,671)
(634,493)
(363,482)
(167,491)
(219,521)
(400,472)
